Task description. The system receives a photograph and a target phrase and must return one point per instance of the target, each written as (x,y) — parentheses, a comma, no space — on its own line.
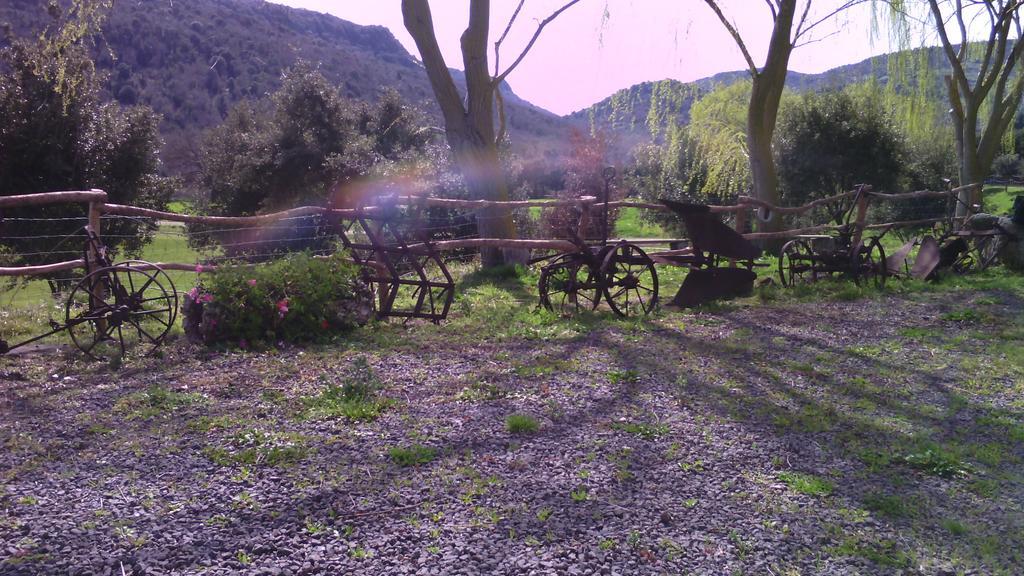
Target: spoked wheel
(568,286)
(117,308)
(869,263)
(629,280)
(796,263)
(160,275)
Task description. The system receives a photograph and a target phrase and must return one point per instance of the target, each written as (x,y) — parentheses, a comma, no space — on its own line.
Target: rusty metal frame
(391,264)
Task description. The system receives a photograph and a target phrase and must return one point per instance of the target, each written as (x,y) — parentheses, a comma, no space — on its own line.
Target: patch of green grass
(810,418)
(255,447)
(413,455)
(631,224)
(542,366)
(890,506)
(617,377)
(884,553)
(967,315)
(521,424)
(353,398)
(954,527)
(155,401)
(937,461)
(807,483)
(211,423)
(480,391)
(643,430)
(580,494)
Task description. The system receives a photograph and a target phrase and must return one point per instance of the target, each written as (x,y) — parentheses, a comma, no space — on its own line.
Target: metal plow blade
(709,284)
(928,258)
(898,263)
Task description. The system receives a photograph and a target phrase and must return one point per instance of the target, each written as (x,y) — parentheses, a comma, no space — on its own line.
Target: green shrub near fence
(298,298)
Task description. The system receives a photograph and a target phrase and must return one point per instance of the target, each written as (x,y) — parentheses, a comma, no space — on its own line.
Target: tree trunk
(482,170)
(469,128)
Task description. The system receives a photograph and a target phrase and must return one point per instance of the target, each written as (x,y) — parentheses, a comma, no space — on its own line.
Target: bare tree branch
(844,6)
(735,35)
(540,28)
(508,27)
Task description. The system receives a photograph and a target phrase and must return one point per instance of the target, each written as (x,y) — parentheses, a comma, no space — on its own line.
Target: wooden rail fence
(98,207)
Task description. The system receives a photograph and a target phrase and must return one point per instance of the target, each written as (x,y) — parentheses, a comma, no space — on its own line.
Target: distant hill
(192,60)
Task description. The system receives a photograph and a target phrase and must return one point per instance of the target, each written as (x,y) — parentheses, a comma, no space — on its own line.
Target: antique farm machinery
(720,259)
(959,244)
(621,274)
(114,307)
(810,257)
(398,260)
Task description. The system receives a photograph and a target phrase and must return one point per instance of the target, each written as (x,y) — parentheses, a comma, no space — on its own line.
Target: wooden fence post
(741,227)
(95,224)
(862,215)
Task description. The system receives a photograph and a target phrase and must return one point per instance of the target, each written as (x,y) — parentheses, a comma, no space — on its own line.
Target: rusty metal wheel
(869,263)
(115,309)
(568,285)
(796,263)
(629,280)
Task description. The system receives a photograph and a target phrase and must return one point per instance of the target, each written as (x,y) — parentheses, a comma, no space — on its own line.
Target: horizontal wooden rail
(43,268)
(41,199)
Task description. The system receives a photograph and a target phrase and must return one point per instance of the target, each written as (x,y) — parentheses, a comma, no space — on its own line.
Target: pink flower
(205,298)
(193,293)
(199,268)
(282,307)
(252,282)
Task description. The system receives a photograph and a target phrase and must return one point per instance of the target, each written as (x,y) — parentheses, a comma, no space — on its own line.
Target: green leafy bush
(297,298)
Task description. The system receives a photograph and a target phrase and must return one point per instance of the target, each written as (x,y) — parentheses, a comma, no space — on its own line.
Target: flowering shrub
(297,298)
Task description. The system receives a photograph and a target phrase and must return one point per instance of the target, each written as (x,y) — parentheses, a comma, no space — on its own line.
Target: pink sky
(582,57)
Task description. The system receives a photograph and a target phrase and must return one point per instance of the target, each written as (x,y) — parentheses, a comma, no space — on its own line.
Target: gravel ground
(760,440)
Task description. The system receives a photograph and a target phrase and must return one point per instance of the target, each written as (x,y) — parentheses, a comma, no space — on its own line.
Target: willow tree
(470,124)
(985,83)
(792,26)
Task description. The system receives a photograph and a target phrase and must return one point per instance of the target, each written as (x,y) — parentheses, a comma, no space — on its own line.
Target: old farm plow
(114,307)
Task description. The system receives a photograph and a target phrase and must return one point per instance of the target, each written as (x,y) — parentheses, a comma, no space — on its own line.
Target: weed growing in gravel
(255,447)
(884,553)
(414,455)
(354,398)
(243,558)
(642,429)
(314,527)
(690,503)
(543,514)
(695,466)
(521,424)
(580,494)
(954,527)
(153,402)
(887,505)
(617,377)
(480,391)
(966,315)
(807,483)
(937,461)
(361,553)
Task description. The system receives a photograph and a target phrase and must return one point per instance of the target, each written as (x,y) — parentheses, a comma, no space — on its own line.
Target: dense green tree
(307,141)
(56,134)
(828,142)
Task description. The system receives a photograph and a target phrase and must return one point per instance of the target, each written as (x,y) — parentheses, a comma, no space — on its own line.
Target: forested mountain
(644,110)
(192,60)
